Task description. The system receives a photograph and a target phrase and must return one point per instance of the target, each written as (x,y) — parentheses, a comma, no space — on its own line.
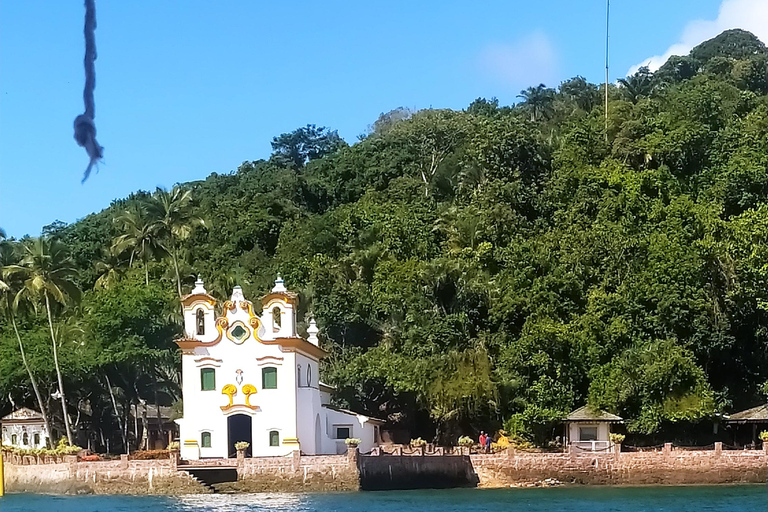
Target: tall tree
(538,100)
(48,276)
(140,238)
(175,221)
(8,289)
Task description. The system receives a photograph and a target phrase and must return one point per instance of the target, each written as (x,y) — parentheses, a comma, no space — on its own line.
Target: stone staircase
(210,473)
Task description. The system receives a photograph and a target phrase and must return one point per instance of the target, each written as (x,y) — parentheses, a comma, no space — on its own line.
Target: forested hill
(500,265)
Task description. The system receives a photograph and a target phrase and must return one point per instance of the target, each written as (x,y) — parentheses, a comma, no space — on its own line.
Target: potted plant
(764,439)
(352,442)
(465,442)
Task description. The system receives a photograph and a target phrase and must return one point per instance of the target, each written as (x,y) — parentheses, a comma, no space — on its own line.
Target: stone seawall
(296,473)
(664,467)
(101,477)
(303,473)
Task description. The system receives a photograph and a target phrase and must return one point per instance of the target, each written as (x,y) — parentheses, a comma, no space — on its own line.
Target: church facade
(252,378)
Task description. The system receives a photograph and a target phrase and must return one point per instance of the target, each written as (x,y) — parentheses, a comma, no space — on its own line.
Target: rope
(85,128)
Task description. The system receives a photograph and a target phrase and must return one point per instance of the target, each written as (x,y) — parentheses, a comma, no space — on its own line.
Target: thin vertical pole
(607,18)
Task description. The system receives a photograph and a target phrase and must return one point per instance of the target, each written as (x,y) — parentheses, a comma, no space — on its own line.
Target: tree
(140,239)
(48,276)
(303,145)
(638,86)
(8,290)
(175,221)
(538,100)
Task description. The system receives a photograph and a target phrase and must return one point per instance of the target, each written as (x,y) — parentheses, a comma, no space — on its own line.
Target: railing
(592,446)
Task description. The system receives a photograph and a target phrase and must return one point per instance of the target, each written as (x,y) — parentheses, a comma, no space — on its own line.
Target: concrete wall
(388,472)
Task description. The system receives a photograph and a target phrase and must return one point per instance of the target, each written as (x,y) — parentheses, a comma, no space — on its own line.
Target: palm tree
(140,237)
(638,86)
(175,221)
(8,288)
(539,100)
(48,275)
(109,269)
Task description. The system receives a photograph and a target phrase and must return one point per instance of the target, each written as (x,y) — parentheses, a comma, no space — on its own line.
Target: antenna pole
(607,13)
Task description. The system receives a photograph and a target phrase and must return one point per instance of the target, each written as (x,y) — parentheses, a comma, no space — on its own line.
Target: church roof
(24,414)
(353,413)
(757,414)
(586,413)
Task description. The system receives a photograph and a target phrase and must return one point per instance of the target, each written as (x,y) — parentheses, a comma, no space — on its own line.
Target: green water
(582,499)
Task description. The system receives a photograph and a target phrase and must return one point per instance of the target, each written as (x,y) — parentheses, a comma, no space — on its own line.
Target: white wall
(19,430)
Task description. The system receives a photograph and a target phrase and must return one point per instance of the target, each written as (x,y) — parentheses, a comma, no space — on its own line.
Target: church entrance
(239,428)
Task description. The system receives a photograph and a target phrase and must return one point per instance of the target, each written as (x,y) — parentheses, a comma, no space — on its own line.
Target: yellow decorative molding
(291,440)
(230,390)
(229,306)
(248,390)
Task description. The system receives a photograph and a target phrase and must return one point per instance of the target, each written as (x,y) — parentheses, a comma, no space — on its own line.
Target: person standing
(488,441)
(481,440)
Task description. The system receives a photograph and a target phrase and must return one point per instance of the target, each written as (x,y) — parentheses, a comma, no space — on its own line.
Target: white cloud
(529,60)
(749,15)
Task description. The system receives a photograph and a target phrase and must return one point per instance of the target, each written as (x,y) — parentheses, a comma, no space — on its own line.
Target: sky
(185,88)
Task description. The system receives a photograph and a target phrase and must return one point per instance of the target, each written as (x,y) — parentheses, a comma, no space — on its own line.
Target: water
(581,499)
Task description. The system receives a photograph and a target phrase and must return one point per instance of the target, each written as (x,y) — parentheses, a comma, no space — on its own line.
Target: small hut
(745,425)
(589,430)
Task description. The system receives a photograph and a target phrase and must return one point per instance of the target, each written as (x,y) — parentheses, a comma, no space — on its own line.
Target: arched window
(277,321)
(205,440)
(14,438)
(36,438)
(25,439)
(298,375)
(309,375)
(269,378)
(274,438)
(207,379)
(200,317)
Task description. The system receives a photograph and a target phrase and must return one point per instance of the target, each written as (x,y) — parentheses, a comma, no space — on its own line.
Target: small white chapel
(252,378)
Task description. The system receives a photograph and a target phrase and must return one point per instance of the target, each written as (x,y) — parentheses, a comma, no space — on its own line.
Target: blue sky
(186,88)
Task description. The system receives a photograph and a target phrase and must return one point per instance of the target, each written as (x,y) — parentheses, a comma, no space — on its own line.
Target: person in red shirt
(481,439)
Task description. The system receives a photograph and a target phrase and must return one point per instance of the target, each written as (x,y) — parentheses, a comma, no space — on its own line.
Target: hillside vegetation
(496,266)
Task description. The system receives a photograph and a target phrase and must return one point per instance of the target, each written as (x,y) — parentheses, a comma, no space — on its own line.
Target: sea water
(571,499)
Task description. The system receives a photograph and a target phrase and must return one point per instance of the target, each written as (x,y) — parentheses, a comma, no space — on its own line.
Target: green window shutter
(269,378)
(208,379)
(274,438)
(205,440)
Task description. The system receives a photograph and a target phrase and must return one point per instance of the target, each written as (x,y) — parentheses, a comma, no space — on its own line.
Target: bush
(466,441)
(617,438)
(764,436)
(242,445)
(174,445)
(352,441)
(418,442)
(150,455)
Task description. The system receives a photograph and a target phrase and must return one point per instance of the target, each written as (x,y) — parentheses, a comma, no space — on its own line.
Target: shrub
(352,441)
(150,455)
(418,442)
(466,441)
(617,438)
(174,445)
(242,445)
(764,436)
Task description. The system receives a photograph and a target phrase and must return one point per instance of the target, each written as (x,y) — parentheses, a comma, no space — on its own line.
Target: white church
(252,378)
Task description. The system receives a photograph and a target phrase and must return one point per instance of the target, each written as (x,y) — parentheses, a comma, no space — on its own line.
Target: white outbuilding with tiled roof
(589,429)
(24,428)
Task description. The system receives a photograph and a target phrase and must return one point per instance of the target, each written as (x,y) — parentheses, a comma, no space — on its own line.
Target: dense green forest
(489,268)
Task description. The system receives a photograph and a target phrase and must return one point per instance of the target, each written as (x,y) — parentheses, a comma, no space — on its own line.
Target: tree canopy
(477,269)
